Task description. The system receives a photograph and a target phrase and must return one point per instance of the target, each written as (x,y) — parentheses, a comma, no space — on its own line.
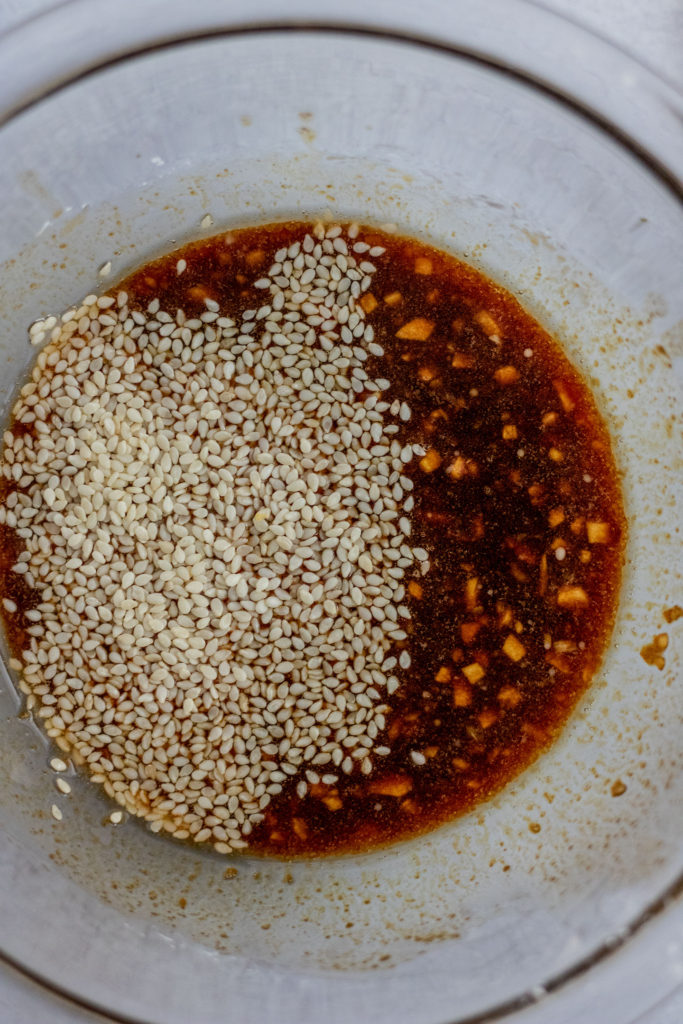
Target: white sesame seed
(58,765)
(200,490)
(56,813)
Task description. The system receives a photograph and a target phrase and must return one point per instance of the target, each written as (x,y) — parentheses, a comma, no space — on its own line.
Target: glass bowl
(550,161)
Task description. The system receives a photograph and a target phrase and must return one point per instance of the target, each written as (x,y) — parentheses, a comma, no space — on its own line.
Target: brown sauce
(517,503)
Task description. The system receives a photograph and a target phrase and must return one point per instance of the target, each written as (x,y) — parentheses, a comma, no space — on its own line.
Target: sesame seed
(209,484)
(56,813)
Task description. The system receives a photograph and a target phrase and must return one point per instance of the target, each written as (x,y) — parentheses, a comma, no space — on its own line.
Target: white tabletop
(653,32)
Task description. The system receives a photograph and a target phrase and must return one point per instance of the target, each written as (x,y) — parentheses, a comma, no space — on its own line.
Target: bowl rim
(620,95)
(591,75)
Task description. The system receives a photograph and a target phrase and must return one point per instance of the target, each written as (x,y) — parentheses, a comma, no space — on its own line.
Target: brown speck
(618,788)
(230,873)
(246,120)
(534,827)
(182,902)
(307,134)
(673,613)
(652,653)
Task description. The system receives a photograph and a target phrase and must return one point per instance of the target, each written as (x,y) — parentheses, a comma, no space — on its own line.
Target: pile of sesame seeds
(214,519)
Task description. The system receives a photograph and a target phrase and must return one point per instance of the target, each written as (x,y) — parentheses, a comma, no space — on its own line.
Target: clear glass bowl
(550,161)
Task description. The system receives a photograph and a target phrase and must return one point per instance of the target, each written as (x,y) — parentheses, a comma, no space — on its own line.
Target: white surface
(653,32)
